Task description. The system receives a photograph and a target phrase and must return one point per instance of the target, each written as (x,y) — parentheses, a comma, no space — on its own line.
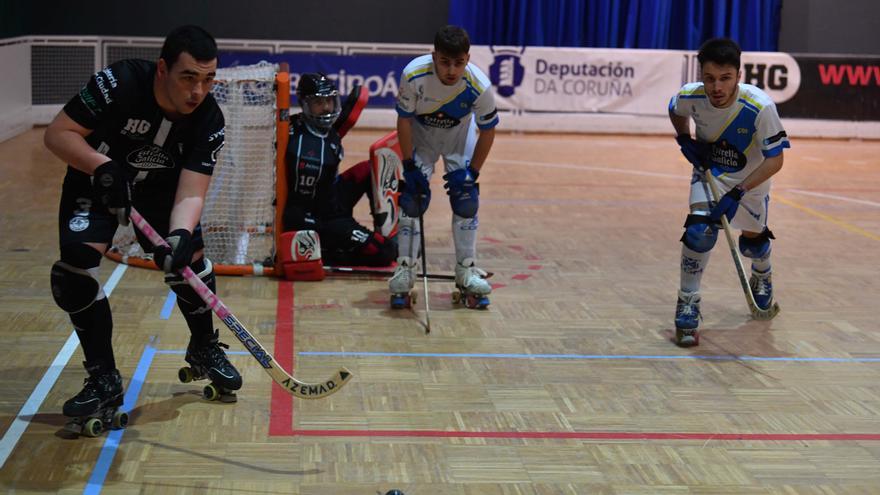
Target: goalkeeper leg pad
(300,256)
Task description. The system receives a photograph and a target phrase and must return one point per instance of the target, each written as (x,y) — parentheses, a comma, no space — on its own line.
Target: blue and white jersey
(442,113)
(741,135)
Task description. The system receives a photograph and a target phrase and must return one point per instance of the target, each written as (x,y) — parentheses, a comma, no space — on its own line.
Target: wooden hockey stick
(757,313)
(293,386)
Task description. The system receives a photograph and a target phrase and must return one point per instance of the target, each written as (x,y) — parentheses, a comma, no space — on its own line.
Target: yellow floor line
(839,223)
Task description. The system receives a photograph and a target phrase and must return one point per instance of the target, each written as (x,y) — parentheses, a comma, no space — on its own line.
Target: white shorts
(751,215)
(456,147)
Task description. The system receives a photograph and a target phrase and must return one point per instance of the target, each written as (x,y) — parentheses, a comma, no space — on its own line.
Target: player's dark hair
(452,40)
(190,39)
(722,51)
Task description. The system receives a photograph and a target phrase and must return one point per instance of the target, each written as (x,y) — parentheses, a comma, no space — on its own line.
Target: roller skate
(762,289)
(471,287)
(401,284)
(96,407)
(207,360)
(687,319)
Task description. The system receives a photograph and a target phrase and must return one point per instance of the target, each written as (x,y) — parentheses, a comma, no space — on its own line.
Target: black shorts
(82,218)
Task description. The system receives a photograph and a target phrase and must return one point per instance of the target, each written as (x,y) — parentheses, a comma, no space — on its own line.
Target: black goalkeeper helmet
(319,100)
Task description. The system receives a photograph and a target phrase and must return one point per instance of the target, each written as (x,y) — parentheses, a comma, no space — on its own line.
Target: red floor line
(281,414)
(281,405)
(596,435)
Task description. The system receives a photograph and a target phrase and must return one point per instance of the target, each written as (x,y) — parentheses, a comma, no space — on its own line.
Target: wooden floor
(568,384)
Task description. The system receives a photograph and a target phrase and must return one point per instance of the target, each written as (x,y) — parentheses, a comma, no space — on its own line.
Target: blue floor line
(114,437)
(591,356)
(168,306)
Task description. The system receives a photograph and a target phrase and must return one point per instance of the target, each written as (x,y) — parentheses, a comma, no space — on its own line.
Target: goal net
(239,217)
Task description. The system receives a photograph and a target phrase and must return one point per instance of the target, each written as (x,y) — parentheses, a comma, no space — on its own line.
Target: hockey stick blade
(387,273)
(293,386)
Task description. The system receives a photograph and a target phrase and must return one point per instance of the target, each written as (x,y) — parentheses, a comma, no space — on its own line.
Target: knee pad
(464,193)
(756,247)
(74,286)
(204,269)
(699,233)
(300,256)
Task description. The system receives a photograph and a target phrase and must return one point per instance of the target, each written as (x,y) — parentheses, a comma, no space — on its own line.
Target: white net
(239,216)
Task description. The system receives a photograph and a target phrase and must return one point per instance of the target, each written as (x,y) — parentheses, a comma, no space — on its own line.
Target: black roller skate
(401,284)
(207,360)
(471,287)
(96,407)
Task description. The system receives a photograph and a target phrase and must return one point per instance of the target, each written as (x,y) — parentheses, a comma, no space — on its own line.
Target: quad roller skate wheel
(687,338)
(120,420)
(92,427)
(401,301)
(185,374)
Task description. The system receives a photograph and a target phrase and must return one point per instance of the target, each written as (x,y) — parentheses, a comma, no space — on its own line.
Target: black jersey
(128,125)
(312,164)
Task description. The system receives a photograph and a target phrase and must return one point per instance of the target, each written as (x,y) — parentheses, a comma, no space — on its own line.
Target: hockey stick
(388,273)
(757,313)
(291,385)
(424,271)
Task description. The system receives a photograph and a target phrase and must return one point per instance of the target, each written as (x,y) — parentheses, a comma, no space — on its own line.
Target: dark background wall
(385,21)
(830,26)
(808,26)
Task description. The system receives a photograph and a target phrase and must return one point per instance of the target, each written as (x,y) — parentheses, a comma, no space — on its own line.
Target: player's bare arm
(481,150)
(66,139)
(404,136)
(189,200)
(682,125)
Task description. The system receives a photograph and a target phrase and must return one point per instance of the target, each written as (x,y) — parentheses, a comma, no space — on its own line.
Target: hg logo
(506,72)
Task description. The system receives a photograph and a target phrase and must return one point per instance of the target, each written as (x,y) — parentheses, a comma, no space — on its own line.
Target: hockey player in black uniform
(319,199)
(142,134)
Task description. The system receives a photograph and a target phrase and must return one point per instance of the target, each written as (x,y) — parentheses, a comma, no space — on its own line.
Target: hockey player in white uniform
(443,99)
(740,138)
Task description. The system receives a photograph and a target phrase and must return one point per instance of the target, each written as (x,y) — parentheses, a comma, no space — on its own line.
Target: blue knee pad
(756,247)
(463,191)
(700,233)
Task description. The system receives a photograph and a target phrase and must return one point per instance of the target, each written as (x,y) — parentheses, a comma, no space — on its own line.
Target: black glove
(112,187)
(177,254)
(695,151)
(415,191)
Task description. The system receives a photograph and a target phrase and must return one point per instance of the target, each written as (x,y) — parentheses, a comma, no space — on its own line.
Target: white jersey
(444,116)
(741,135)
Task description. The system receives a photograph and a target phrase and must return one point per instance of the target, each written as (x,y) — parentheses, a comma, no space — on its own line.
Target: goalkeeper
(319,199)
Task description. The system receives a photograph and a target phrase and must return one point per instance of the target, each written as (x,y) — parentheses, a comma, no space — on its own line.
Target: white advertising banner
(594,80)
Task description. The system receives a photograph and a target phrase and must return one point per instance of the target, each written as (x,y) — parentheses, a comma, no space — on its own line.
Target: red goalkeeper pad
(386,161)
(351,109)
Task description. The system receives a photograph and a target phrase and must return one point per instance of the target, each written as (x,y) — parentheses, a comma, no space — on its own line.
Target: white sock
(464,233)
(692,266)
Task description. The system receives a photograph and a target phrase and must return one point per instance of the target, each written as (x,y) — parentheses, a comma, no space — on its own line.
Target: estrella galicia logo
(506,71)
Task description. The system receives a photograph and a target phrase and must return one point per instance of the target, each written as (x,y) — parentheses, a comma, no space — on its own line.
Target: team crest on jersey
(440,120)
(725,157)
(150,157)
(78,224)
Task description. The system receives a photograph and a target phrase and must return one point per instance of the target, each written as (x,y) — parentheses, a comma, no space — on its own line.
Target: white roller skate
(471,287)
(401,284)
